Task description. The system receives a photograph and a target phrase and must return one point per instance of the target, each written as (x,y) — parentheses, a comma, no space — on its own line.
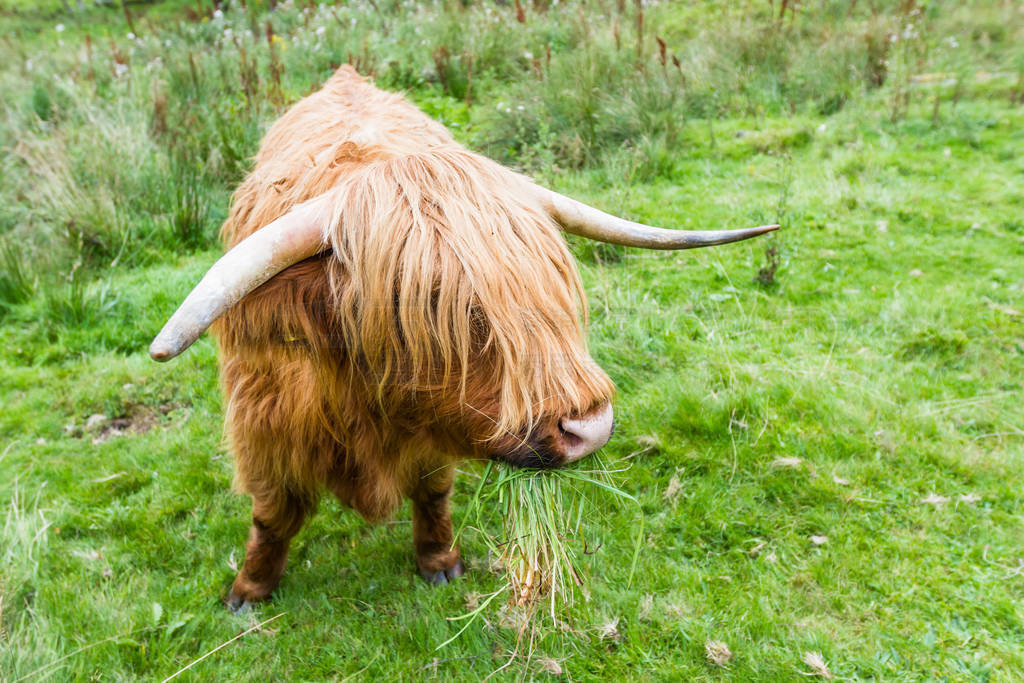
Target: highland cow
(391,302)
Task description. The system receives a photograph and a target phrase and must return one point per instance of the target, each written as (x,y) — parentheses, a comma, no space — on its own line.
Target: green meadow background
(824,428)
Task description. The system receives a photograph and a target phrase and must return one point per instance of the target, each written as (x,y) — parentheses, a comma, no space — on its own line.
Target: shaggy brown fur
(443,322)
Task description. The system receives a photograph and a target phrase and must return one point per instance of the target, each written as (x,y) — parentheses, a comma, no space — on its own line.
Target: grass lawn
(824,428)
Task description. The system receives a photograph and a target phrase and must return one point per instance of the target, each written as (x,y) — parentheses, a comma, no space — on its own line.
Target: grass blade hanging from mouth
(539,549)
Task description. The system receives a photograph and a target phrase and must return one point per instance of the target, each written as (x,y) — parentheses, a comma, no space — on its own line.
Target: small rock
(95,421)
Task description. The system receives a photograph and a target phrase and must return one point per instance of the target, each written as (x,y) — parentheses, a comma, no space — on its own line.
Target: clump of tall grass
(189,210)
(23,526)
(16,283)
(539,549)
(94,131)
(76,304)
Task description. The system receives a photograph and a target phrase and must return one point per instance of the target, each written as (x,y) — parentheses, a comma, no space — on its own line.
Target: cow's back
(305,153)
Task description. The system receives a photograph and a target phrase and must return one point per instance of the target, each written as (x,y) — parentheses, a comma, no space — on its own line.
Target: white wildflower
(646,603)
(550,666)
(673,489)
(610,630)
(817,663)
(717,652)
(59,28)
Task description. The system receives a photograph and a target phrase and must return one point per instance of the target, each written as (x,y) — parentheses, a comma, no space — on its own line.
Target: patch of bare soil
(136,418)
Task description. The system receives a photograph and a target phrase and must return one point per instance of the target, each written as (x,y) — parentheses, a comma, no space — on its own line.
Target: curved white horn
(586,221)
(295,236)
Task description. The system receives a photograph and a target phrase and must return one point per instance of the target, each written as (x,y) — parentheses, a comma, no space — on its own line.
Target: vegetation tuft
(538,552)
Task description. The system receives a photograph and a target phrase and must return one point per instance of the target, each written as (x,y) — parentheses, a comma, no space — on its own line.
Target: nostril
(585,434)
(571,438)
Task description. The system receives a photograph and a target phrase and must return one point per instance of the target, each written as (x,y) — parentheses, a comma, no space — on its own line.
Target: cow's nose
(585,434)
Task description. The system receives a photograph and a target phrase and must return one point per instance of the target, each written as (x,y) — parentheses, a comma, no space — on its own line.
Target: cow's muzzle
(563,441)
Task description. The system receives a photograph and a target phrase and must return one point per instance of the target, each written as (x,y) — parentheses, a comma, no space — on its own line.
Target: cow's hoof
(444,576)
(237,605)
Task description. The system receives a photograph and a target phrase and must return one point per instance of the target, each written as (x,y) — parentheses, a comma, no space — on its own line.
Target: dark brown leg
(432,534)
(276,517)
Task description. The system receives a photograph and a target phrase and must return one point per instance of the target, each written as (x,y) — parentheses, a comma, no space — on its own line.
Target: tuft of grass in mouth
(538,550)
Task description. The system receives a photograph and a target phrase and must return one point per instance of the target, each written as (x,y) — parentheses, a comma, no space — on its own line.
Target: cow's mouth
(533,455)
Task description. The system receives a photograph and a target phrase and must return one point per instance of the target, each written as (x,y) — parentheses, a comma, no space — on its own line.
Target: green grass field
(824,428)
